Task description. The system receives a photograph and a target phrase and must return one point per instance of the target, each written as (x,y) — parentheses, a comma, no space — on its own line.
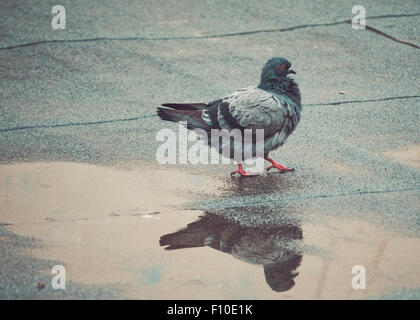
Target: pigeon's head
(280,275)
(276,68)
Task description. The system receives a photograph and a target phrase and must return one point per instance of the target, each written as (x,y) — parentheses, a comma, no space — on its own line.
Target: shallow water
(129,228)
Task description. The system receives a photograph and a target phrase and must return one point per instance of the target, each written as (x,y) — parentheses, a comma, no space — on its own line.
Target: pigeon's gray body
(273,106)
(254,108)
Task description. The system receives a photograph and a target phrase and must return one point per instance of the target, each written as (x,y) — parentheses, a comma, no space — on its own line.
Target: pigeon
(274,106)
(276,248)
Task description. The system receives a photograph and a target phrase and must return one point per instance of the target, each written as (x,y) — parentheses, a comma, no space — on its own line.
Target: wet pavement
(80,185)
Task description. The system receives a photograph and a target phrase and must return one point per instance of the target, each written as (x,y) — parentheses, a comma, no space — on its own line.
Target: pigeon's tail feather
(204,232)
(192,117)
(185,106)
(182,239)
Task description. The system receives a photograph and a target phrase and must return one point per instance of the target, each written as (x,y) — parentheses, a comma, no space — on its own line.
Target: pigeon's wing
(248,108)
(253,108)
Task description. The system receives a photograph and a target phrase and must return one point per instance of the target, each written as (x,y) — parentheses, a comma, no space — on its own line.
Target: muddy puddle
(129,228)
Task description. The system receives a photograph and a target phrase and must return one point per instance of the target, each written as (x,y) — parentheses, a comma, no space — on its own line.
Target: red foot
(243,173)
(278,166)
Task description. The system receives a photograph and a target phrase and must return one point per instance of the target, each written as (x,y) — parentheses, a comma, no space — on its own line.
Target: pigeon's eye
(282,67)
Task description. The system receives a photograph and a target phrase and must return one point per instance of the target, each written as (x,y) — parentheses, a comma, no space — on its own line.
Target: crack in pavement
(358,101)
(49,220)
(240,203)
(71,124)
(234,34)
(391,37)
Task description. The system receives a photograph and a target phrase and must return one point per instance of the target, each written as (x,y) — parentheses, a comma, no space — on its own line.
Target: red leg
(278,166)
(242,172)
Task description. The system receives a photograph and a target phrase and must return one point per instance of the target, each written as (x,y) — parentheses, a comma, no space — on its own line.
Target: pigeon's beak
(292,71)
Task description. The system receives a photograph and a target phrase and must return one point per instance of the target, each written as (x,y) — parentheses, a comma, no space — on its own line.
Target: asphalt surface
(88,95)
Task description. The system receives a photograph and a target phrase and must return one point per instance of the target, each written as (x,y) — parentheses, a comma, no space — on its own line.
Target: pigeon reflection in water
(277,248)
